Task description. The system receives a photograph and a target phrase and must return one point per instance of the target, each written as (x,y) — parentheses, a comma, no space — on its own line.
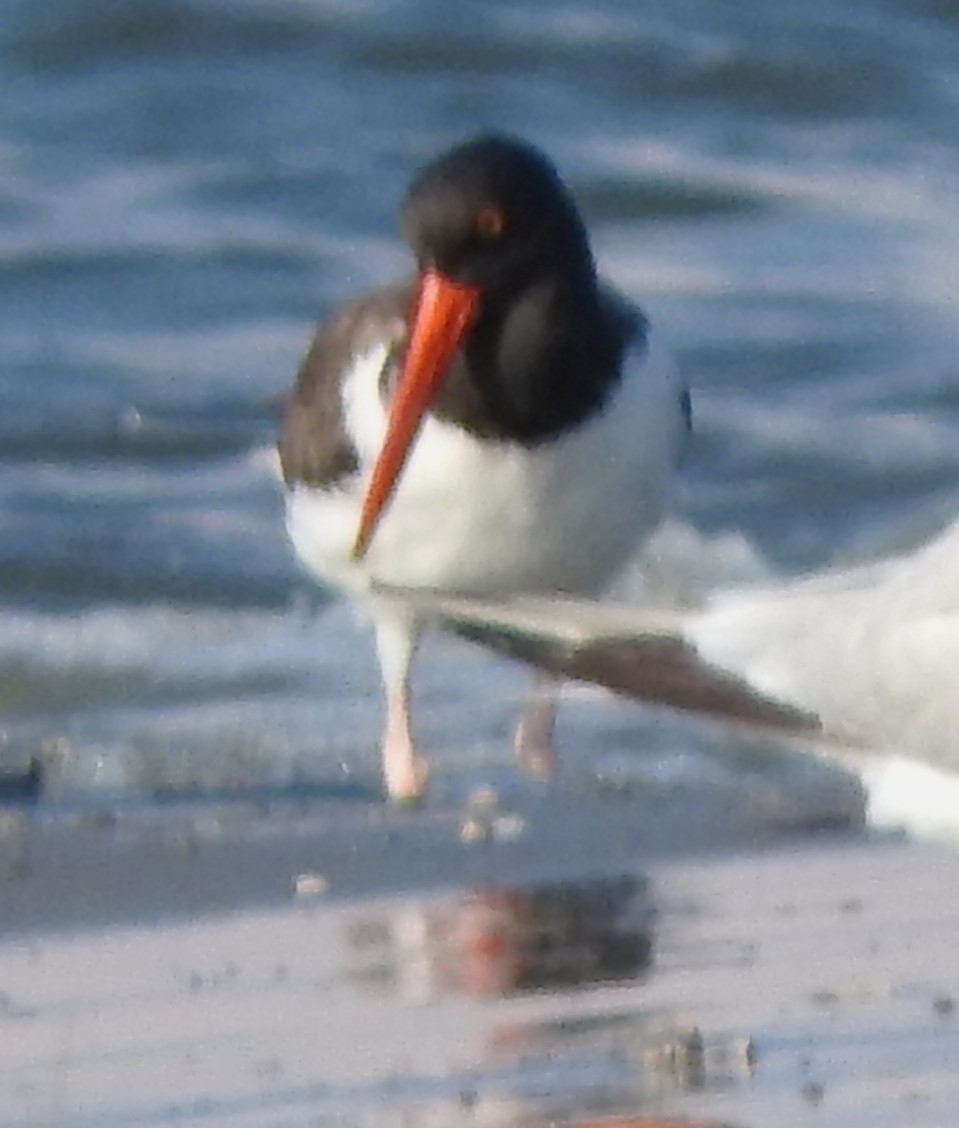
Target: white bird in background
(872,650)
(862,659)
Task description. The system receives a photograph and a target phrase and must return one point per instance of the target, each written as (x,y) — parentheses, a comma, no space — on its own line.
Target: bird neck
(541,358)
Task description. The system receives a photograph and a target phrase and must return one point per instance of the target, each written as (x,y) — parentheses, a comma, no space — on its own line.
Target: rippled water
(186,186)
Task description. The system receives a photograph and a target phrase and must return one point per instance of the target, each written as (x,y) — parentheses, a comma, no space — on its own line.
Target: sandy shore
(481,964)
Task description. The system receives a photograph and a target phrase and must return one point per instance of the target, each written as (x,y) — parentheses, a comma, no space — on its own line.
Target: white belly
(485,518)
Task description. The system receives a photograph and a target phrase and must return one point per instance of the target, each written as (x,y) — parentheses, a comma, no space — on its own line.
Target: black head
(493,210)
(506,336)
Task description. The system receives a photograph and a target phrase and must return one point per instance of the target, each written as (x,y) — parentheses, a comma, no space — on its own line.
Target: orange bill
(443,314)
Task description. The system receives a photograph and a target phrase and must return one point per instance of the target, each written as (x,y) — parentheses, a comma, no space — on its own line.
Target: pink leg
(405,770)
(534,734)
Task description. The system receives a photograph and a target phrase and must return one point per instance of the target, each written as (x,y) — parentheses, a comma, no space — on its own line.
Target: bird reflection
(503,941)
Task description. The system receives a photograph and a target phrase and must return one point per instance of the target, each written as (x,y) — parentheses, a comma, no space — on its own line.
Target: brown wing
(636,652)
(315,447)
(664,671)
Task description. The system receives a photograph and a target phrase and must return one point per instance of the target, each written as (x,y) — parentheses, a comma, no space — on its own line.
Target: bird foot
(533,742)
(539,761)
(535,750)
(406,776)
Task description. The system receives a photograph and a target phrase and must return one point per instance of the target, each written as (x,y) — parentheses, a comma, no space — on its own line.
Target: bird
(869,648)
(501,421)
(852,660)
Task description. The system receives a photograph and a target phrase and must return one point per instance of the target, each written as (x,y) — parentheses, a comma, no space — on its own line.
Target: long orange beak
(444,312)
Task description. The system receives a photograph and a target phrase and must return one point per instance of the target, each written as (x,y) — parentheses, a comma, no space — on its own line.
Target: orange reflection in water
(501,941)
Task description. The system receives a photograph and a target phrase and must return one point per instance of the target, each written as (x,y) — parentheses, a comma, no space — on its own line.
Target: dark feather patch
(314,446)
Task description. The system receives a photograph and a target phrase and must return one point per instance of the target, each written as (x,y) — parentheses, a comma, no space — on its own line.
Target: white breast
(481,517)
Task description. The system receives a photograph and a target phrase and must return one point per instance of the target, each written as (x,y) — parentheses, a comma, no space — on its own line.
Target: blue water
(186,186)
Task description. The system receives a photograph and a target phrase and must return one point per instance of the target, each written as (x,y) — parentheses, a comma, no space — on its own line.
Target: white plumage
(493,519)
(483,518)
(873,650)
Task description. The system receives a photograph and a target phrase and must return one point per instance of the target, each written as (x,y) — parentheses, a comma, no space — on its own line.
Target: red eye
(489,223)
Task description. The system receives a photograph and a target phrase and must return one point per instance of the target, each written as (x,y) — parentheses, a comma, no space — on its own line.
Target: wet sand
(545,957)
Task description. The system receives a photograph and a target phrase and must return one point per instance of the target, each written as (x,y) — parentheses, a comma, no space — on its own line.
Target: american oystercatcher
(501,423)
